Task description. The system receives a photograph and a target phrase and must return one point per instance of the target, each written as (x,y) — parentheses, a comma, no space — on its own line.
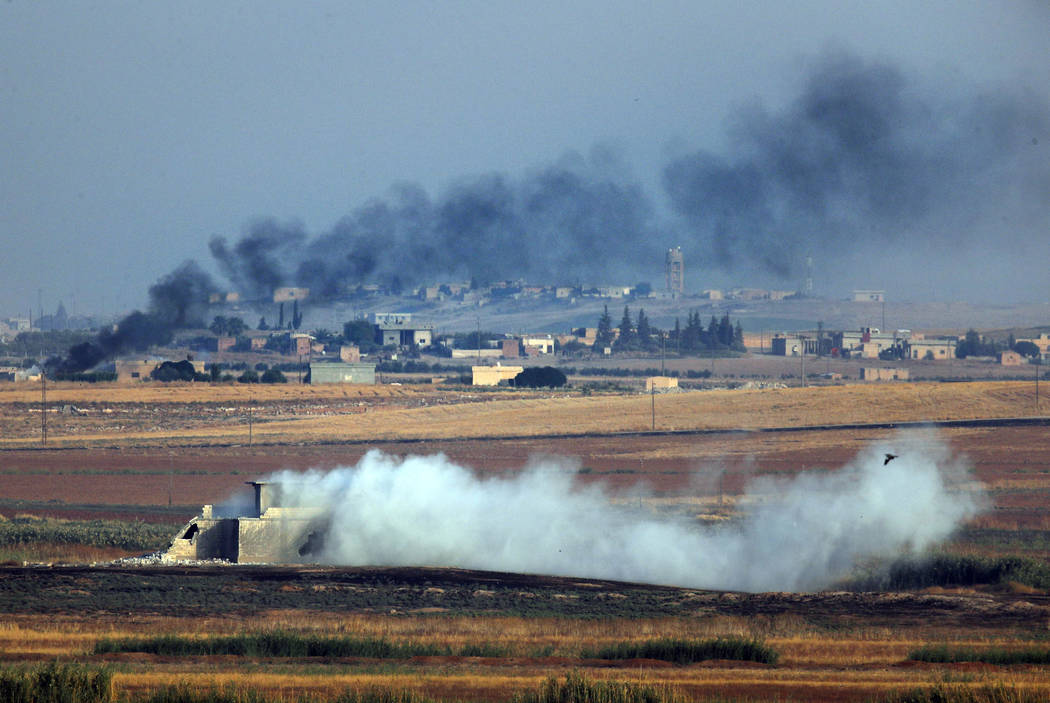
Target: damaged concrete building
(270,533)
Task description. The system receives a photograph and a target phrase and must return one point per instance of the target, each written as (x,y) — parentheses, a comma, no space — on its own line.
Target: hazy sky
(133,132)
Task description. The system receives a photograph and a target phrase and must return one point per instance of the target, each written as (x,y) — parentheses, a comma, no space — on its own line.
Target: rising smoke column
(580,219)
(798,534)
(178,299)
(863,158)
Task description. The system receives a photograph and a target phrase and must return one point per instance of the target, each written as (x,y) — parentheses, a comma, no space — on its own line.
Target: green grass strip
(954,693)
(90,533)
(577,689)
(288,644)
(56,683)
(946,569)
(688,651)
(990,655)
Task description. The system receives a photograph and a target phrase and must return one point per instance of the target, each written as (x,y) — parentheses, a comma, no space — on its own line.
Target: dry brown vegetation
(136,455)
(816,664)
(150,415)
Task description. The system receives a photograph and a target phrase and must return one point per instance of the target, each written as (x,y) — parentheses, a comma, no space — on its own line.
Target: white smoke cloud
(796,534)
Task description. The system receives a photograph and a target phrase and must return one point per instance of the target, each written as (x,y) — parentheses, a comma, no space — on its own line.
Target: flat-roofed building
(931,349)
(399,329)
(873,373)
(342,372)
(288,294)
(493,375)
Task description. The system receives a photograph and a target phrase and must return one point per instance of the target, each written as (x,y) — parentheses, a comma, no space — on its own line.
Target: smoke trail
(866,163)
(575,220)
(802,534)
(179,299)
(862,158)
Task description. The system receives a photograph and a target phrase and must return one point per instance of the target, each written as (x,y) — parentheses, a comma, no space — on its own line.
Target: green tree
(273,376)
(725,331)
(626,340)
(176,371)
(644,331)
(249,376)
(360,332)
(604,337)
(235,326)
(973,344)
(1026,348)
(712,332)
(540,377)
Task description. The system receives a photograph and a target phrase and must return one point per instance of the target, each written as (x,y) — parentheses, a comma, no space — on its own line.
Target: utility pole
(43,408)
(251,404)
(1038,363)
(802,356)
(662,353)
(652,398)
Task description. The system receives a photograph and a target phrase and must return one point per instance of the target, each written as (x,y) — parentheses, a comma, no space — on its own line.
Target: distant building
(1043,343)
(349,353)
(542,345)
(268,532)
(660,383)
(224,298)
(869,296)
(1010,358)
(493,375)
(931,349)
(477,353)
(399,329)
(871,373)
(793,344)
(135,370)
(673,272)
(284,295)
(302,344)
(342,372)
(510,349)
(614,291)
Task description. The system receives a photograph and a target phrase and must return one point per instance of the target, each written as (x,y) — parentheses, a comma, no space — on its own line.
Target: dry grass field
(151,416)
(157,453)
(816,663)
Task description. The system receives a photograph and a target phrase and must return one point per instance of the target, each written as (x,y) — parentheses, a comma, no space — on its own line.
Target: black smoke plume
(864,165)
(863,158)
(578,220)
(177,300)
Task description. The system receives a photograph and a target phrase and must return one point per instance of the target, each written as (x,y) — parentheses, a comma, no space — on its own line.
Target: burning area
(797,534)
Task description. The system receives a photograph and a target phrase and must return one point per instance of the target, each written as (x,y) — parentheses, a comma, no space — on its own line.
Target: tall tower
(673,272)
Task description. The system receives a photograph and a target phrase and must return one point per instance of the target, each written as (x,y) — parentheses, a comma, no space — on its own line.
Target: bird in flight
(889,458)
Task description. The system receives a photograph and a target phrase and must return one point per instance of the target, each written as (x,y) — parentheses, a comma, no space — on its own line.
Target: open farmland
(171,453)
(85,416)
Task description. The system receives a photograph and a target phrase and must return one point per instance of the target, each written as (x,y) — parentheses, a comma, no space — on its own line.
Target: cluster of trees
(639,335)
(540,377)
(719,334)
(975,344)
(292,324)
(267,376)
(227,326)
(184,371)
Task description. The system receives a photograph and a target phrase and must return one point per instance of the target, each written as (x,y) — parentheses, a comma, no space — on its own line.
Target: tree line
(637,334)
